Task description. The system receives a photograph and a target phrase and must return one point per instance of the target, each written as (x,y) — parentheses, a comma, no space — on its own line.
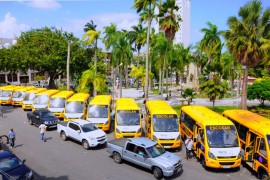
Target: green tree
(245,38)
(189,94)
(146,5)
(214,88)
(259,90)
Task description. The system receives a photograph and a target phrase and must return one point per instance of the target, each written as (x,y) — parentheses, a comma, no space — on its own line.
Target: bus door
(199,139)
(250,149)
(148,125)
(260,156)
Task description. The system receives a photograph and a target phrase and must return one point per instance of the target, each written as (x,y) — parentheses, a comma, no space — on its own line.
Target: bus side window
(242,130)
(189,122)
(262,148)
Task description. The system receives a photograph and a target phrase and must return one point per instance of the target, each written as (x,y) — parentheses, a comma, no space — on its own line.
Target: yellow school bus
(58,101)
(127,121)
(19,94)
(29,97)
(254,134)
(99,110)
(42,99)
(1,91)
(76,107)
(161,124)
(216,141)
(7,94)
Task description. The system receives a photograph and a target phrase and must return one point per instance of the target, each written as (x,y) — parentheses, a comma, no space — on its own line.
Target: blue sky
(71,16)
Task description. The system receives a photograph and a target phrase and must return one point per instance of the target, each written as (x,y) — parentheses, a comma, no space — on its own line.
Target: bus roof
(63,94)
(204,116)
(49,92)
(101,100)
(37,90)
(12,88)
(251,120)
(26,88)
(126,104)
(78,97)
(159,107)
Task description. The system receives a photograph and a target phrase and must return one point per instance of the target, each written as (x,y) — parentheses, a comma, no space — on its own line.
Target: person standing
(12,138)
(189,144)
(42,128)
(1,111)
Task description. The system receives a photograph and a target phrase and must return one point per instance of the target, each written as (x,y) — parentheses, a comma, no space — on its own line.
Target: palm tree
(91,37)
(144,5)
(138,36)
(121,53)
(211,42)
(245,38)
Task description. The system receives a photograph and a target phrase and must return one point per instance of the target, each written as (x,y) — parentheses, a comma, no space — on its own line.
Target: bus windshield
(268,140)
(18,94)
(29,96)
(74,107)
(165,123)
(57,102)
(155,150)
(42,99)
(6,93)
(128,117)
(98,111)
(222,136)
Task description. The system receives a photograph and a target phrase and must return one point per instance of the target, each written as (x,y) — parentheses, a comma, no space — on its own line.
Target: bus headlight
(139,130)
(117,131)
(239,155)
(211,155)
(82,117)
(178,137)
(154,138)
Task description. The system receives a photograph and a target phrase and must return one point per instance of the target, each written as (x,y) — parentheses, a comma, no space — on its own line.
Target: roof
(80,121)
(26,88)
(126,104)
(12,88)
(63,94)
(143,141)
(159,107)
(205,116)
(78,97)
(37,90)
(49,92)
(101,100)
(251,120)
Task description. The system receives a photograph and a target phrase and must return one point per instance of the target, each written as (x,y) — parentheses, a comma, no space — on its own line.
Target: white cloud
(10,28)
(44,4)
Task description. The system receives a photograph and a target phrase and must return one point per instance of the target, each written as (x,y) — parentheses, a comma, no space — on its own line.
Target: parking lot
(57,159)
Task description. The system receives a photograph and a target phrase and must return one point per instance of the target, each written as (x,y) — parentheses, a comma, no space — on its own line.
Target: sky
(71,15)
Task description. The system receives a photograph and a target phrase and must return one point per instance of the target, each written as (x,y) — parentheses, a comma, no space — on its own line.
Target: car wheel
(117,157)
(85,144)
(157,173)
(63,136)
(30,121)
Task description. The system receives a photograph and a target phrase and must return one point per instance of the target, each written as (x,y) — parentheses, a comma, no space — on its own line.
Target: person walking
(42,128)
(12,138)
(189,145)
(1,111)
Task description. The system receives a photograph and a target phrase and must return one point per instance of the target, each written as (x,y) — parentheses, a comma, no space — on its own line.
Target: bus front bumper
(222,164)
(170,144)
(127,135)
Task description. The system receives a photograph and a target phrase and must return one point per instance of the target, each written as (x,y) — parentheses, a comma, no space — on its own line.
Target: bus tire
(203,162)
(263,175)
(117,158)
(157,173)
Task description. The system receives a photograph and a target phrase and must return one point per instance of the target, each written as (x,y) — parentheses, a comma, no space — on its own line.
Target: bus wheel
(263,175)
(203,162)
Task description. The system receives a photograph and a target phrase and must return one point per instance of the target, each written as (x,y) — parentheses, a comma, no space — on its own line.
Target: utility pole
(68,57)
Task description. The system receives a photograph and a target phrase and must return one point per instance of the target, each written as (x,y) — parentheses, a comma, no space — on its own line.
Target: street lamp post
(68,57)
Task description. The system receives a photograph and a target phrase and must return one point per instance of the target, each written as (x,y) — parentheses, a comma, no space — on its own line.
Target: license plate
(167,147)
(226,167)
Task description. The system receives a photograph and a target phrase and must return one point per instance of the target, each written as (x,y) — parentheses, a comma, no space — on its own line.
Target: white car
(83,131)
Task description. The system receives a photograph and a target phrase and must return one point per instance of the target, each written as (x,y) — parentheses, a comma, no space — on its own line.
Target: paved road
(67,160)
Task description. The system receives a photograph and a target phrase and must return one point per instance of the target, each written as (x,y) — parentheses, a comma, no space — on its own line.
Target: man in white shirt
(189,144)
(42,128)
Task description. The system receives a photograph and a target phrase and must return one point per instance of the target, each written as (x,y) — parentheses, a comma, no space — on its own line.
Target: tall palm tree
(138,36)
(211,42)
(245,38)
(121,53)
(142,5)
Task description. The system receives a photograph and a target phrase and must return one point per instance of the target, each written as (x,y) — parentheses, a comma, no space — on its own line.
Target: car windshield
(57,102)
(88,127)
(155,150)
(128,117)
(47,114)
(74,107)
(29,96)
(98,111)
(18,94)
(9,163)
(42,99)
(165,123)
(222,136)
(268,140)
(6,93)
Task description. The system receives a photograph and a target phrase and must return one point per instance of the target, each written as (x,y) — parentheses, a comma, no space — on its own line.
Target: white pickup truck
(83,131)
